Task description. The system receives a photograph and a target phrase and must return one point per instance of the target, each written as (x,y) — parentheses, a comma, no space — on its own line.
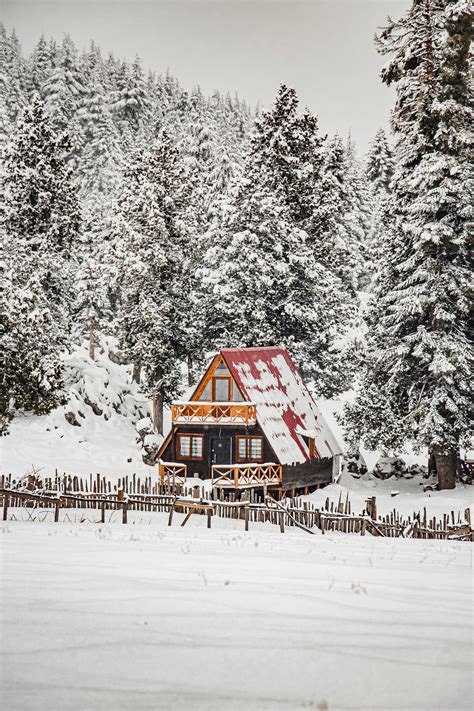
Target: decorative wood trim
(196,412)
(244,476)
(191,435)
(248,458)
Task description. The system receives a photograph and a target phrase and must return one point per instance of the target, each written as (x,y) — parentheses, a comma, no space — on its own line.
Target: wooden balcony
(246,476)
(172,472)
(222,413)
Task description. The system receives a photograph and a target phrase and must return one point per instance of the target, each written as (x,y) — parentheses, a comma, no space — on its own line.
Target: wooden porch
(222,413)
(246,476)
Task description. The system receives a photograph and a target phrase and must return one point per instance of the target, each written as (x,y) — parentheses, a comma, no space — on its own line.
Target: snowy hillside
(93,432)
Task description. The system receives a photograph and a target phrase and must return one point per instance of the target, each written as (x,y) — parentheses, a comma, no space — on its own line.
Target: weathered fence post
(124,511)
(56,511)
(246,516)
(102,513)
(5,507)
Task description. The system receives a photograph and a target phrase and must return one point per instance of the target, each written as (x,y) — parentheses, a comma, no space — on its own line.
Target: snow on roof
(285,409)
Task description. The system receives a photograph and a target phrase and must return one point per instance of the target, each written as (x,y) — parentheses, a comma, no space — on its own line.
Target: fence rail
(133,494)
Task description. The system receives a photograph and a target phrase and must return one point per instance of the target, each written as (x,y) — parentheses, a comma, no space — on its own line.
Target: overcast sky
(324,48)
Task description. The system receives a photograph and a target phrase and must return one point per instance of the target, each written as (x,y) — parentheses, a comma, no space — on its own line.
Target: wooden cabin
(250,422)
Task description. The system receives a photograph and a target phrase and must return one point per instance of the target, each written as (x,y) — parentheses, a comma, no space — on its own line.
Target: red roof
(286,412)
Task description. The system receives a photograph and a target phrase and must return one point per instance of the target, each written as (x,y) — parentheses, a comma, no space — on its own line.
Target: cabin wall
(202,468)
(316,471)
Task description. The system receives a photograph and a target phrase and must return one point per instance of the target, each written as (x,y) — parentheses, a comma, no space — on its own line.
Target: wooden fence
(134,494)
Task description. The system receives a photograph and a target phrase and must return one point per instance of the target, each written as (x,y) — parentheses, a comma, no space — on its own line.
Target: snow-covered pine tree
(287,152)
(13,73)
(416,386)
(129,100)
(31,366)
(358,217)
(263,284)
(40,65)
(379,171)
(39,227)
(149,254)
(63,93)
(334,221)
(379,163)
(99,166)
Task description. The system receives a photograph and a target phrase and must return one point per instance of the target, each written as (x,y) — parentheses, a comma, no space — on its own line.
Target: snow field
(144,616)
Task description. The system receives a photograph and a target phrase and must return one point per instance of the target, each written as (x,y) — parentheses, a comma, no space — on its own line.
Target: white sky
(324,48)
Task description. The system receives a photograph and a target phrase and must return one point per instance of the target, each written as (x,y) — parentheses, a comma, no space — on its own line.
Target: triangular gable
(203,390)
(286,412)
(200,394)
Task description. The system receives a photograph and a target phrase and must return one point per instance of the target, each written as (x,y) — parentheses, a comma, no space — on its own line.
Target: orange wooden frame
(196,435)
(243,476)
(238,413)
(248,458)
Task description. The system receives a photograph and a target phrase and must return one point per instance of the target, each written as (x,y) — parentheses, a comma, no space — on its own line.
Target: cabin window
(206,393)
(221,388)
(249,449)
(236,396)
(190,446)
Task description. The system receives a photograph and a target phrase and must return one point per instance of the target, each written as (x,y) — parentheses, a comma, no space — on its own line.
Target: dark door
(220,450)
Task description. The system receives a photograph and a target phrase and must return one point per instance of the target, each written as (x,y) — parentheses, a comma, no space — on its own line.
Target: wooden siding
(316,471)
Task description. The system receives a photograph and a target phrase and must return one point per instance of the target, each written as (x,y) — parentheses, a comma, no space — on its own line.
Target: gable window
(189,446)
(249,449)
(221,388)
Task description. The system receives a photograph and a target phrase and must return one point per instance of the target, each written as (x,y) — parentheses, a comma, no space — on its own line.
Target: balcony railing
(172,472)
(222,413)
(241,476)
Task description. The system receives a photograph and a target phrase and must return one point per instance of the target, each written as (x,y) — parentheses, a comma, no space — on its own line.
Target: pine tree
(40,67)
(129,100)
(98,170)
(13,74)
(337,239)
(379,171)
(40,225)
(420,354)
(63,93)
(149,252)
(264,285)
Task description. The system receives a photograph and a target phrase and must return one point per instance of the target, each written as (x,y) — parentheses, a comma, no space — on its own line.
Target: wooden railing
(224,413)
(246,475)
(172,472)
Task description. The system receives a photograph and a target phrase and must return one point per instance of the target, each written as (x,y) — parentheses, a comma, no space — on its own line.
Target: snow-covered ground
(144,616)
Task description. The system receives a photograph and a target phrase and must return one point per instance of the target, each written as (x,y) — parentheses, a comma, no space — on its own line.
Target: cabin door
(220,450)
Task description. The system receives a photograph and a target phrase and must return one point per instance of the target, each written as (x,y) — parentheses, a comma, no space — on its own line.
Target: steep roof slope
(285,409)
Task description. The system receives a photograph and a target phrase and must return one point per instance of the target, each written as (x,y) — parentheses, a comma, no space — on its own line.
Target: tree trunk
(157,411)
(190,369)
(445,467)
(136,372)
(91,340)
